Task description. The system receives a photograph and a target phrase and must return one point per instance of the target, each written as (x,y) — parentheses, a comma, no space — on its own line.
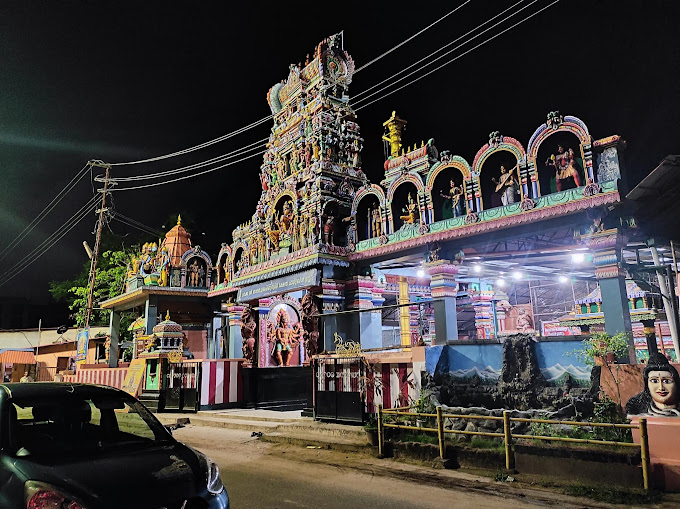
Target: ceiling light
(564,279)
(500,282)
(477,268)
(577,257)
(420,273)
(517,275)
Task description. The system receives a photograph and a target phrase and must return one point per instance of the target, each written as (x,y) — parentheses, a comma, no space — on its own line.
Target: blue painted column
(233,328)
(365,326)
(606,249)
(151,313)
(444,290)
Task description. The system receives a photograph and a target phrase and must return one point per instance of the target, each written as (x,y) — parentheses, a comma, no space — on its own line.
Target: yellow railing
(507,434)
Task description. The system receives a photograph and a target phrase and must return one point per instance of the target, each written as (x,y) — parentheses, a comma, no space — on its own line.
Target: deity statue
(293,162)
(225,268)
(283,338)
(660,396)
(565,169)
(453,205)
(409,211)
(506,185)
(313,231)
(248,325)
(329,230)
(192,272)
(375,222)
(260,248)
(310,324)
(524,322)
(163,267)
(304,226)
(253,252)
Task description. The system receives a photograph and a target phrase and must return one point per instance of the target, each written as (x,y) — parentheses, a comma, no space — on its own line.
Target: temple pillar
(233,332)
(331,296)
(114,331)
(365,326)
(444,291)
(404,312)
(650,336)
(151,313)
(606,247)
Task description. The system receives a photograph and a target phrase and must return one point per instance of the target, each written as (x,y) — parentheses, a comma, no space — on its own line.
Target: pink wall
(198,344)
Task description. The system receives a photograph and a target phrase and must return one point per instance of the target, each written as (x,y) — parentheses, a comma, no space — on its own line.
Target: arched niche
(331,233)
(240,260)
(282,321)
(490,175)
(400,202)
(441,183)
(557,125)
(369,217)
(196,268)
(224,265)
(549,151)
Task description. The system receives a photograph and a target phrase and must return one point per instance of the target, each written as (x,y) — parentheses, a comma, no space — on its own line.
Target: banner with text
(280,285)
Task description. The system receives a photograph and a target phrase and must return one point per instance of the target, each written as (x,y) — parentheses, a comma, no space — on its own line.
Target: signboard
(557,329)
(134,376)
(280,285)
(83,340)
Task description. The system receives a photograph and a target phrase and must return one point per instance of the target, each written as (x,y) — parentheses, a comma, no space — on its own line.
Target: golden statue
(394,127)
(409,216)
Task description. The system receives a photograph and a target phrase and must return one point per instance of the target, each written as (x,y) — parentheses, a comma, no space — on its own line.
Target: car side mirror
(169,427)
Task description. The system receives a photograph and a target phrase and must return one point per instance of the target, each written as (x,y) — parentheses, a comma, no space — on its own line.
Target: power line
(48,243)
(356,96)
(458,56)
(394,48)
(188,176)
(55,201)
(127,221)
(223,157)
(198,147)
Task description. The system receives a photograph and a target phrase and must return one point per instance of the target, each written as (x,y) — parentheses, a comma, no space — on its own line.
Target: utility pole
(95,255)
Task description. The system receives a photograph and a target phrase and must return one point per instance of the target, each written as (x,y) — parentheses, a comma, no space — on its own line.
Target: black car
(79,446)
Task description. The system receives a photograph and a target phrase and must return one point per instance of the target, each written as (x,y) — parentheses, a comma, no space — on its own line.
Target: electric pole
(95,254)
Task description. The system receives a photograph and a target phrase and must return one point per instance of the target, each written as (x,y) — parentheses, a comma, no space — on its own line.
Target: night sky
(120,81)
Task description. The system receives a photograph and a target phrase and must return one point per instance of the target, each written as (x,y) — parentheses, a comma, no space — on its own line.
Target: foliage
(425,403)
(607,411)
(371,423)
(614,495)
(599,344)
(110,281)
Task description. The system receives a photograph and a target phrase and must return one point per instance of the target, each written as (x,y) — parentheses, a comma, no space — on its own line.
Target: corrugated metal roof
(17,357)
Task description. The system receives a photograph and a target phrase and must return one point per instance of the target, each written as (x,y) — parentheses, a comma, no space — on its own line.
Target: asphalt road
(263,475)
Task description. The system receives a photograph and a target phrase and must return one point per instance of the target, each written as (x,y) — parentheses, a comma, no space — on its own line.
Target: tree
(110,281)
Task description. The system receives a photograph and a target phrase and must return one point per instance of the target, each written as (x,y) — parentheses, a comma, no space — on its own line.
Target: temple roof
(634,289)
(177,242)
(168,328)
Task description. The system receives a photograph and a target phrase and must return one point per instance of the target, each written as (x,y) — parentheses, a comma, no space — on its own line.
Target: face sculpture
(662,389)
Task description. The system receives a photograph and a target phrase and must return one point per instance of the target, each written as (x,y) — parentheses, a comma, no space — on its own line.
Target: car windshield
(77,425)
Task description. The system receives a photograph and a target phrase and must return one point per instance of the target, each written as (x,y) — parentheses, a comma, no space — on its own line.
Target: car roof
(57,390)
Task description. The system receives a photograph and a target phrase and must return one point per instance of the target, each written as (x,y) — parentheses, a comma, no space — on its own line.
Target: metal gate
(337,389)
(181,387)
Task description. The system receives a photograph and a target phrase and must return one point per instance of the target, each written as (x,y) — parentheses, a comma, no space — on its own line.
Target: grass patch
(608,494)
(486,443)
(422,438)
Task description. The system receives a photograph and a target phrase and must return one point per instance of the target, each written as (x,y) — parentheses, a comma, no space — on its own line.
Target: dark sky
(119,81)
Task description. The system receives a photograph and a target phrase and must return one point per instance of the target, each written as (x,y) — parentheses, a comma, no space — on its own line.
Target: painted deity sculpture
(248,325)
(409,211)
(565,169)
(310,324)
(661,396)
(507,185)
(453,204)
(376,222)
(284,338)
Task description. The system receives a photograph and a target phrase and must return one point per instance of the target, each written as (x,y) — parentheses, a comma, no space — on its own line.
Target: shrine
(435,265)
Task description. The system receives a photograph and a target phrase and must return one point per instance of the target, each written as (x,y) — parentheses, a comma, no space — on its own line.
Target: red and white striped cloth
(112,377)
(221,381)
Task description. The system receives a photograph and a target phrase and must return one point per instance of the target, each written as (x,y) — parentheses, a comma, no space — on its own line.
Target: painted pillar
(444,291)
(233,331)
(332,299)
(366,326)
(114,331)
(404,313)
(606,248)
(151,313)
(650,336)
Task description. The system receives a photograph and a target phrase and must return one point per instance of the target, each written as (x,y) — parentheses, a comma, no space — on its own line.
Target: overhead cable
(48,243)
(458,56)
(405,41)
(356,96)
(188,176)
(55,201)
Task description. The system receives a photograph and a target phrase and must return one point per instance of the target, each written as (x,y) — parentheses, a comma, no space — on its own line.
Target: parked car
(80,446)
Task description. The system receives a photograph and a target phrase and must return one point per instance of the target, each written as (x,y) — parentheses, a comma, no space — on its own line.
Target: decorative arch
(497,144)
(224,257)
(288,193)
(373,189)
(557,123)
(414,178)
(238,245)
(185,265)
(455,162)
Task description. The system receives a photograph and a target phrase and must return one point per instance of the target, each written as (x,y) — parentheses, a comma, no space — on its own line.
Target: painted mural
(660,397)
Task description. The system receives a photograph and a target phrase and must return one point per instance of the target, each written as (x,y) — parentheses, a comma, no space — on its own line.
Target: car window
(82,426)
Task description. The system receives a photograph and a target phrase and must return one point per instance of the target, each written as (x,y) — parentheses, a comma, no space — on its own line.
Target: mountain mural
(488,373)
(558,373)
